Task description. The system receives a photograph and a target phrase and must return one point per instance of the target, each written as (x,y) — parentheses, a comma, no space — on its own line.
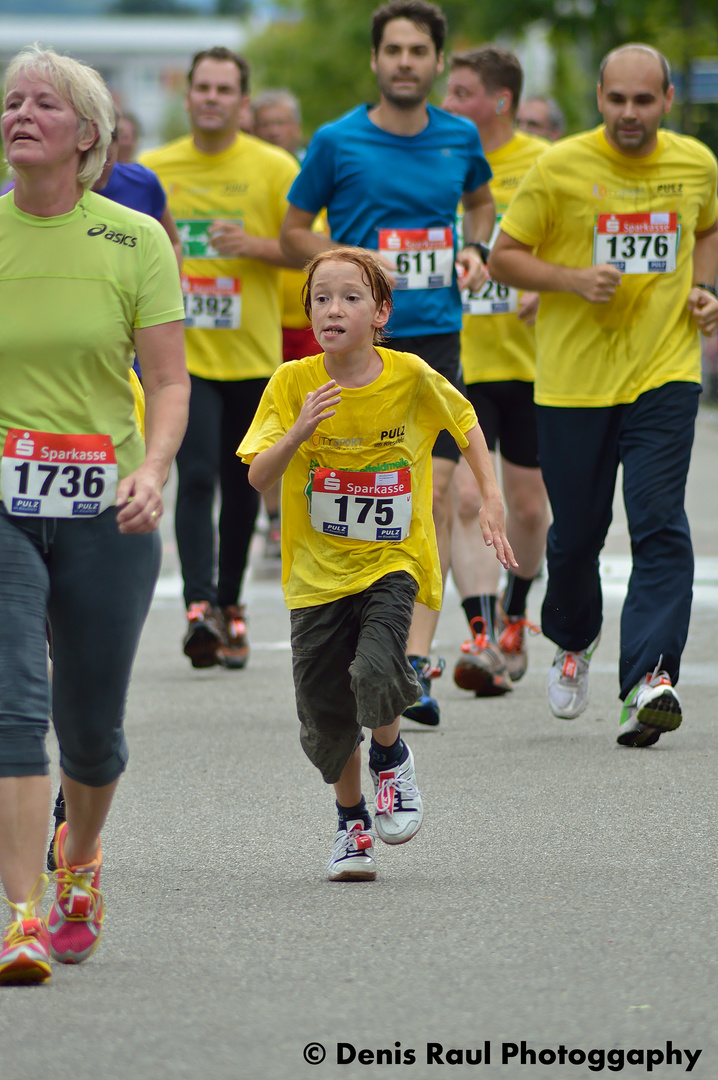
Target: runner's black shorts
(442,352)
(507,416)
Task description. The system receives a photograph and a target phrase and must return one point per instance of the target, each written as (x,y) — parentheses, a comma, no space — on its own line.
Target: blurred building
(143,60)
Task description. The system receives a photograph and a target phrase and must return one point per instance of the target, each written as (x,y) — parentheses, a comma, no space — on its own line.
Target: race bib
(491,299)
(212,303)
(362,505)
(421,258)
(637,243)
(58,476)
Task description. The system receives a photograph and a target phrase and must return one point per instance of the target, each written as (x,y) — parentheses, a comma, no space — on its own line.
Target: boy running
(351,432)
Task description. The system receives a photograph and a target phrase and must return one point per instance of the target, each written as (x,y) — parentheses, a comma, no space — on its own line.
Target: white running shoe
(352,856)
(651,709)
(567,685)
(398,811)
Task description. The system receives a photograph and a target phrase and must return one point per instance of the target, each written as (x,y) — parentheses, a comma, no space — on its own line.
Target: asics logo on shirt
(110,234)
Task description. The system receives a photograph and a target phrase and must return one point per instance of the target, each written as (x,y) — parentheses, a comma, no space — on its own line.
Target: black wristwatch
(698,284)
(483,249)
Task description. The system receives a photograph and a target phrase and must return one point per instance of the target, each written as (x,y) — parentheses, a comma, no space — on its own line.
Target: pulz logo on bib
(49,475)
(361,505)
(421,258)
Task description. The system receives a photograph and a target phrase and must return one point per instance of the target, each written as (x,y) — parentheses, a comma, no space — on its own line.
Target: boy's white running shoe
(352,856)
(651,708)
(567,685)
(398,810)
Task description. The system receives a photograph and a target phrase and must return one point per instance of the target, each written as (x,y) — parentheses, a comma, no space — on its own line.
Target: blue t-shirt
(137,187)
(369,179)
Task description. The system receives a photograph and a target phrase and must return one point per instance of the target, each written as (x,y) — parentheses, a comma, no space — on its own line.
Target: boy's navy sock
(387,757)
(353,813)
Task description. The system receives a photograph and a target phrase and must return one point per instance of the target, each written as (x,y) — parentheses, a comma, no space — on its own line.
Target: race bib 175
(362,505)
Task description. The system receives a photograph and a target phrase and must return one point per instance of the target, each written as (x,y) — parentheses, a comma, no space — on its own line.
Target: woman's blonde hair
(83,89)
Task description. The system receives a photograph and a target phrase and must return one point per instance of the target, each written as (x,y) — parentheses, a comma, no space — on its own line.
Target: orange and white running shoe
(76,916)
(481,667)
(512,643)
(233,652)
(25,955)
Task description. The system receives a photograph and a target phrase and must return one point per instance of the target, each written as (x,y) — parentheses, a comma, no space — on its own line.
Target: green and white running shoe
(651,708)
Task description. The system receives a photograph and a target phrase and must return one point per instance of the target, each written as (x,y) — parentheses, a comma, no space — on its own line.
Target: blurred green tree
(320,49)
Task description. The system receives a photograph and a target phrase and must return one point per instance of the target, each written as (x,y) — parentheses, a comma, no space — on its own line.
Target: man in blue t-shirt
(391,177)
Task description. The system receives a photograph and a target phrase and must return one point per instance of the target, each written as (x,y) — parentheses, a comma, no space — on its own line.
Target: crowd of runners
(457,293)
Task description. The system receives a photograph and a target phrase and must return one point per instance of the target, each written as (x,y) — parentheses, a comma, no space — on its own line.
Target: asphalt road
(561,893)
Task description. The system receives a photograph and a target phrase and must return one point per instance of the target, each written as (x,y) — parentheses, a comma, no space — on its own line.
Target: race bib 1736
(362,505)
(67,476)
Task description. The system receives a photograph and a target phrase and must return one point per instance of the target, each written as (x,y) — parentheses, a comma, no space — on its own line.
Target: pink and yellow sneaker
(25,955)
(75,919)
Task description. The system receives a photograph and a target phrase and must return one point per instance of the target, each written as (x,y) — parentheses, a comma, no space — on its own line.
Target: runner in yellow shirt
(278,120)
(618,228)
(351,432)
(227,191)
(498,358)
(542,116)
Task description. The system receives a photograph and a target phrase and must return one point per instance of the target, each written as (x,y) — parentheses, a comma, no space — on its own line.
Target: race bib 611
(48,475)
(420,258)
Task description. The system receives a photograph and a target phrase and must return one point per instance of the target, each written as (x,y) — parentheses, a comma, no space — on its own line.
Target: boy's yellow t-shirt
(500,347)
(591,355)
(387,426)
(233,306)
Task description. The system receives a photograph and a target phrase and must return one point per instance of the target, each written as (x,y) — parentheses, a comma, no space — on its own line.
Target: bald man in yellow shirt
(618,228)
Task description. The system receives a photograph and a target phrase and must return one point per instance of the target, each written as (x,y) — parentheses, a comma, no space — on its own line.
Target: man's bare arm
(702,305)
(513,263)
(298,242)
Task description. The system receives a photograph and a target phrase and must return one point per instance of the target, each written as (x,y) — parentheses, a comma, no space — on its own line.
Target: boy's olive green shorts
(350,668)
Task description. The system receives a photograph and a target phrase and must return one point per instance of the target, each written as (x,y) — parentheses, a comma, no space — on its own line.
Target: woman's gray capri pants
(93,586)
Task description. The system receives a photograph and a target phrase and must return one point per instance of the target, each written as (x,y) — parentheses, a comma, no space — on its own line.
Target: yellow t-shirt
(294,317)
(73,289)
(232,305)
(389,425)
(498,347)
(138,394)
(609,354)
